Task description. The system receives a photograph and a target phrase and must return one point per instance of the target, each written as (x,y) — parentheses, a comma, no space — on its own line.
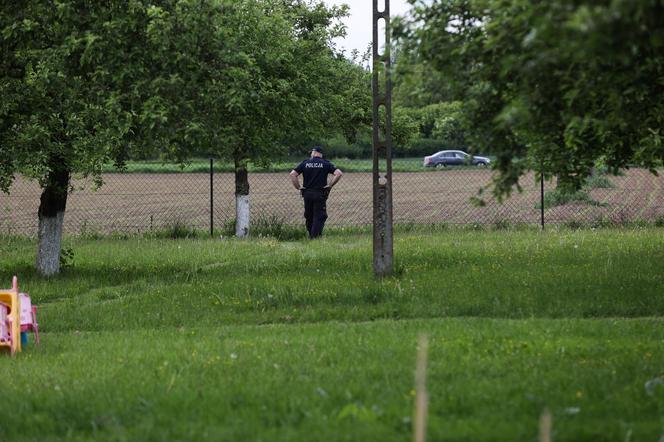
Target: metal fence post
(542,197)
(382,149)
(211,197)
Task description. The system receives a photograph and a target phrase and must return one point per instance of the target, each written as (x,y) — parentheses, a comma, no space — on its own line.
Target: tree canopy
(242,78)
(87,83)
(557,86)
(239,78)
(71,78)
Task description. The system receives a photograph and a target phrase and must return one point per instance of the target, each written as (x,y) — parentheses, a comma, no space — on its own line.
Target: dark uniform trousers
(315,210)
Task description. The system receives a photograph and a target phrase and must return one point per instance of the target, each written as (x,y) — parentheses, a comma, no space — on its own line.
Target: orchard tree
(70,85)
(242,77)
(554,86)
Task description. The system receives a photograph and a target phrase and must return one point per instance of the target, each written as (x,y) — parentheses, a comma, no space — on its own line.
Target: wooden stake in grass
(421,396)
(545,426)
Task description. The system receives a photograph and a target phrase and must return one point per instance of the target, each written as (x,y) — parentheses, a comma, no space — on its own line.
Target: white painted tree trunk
(242,215)
(50,239)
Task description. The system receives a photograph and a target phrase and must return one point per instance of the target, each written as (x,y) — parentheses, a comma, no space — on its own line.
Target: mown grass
(203,166)
(209,339)
(140,283)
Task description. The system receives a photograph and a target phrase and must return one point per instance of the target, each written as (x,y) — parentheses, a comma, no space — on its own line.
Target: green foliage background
(556,86)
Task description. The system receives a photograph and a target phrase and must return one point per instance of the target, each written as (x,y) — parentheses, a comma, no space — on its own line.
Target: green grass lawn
(147,339)
(203,166)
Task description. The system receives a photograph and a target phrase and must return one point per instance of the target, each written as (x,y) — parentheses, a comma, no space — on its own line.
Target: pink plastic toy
(12,321)
(28,316)
(17,314)
(5,327)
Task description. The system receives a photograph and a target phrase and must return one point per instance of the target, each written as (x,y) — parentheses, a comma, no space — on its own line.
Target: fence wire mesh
(141,202)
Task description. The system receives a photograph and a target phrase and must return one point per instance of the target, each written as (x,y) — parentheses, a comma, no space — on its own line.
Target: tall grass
(487,380)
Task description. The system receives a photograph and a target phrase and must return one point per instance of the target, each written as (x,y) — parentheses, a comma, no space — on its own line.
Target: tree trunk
(51,219)
(241,199)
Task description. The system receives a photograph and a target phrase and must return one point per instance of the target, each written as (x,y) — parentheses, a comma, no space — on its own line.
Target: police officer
(315,189)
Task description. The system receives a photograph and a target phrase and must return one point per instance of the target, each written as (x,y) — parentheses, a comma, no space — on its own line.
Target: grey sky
(359,23)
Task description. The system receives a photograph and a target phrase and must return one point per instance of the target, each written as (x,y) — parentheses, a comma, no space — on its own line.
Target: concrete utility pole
(382,147)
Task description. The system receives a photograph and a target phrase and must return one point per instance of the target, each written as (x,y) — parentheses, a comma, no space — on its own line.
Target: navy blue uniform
(315,171)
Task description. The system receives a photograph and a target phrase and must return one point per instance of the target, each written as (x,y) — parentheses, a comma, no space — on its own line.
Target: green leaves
(247,80)
(99,81)
(551,86)
(64,78)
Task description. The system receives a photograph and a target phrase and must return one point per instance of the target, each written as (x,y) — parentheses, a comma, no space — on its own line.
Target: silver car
(446,158)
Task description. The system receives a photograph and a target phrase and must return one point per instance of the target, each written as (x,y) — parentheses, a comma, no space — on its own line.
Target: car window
(461,156)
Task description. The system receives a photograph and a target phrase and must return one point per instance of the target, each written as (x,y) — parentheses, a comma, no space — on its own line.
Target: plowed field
(139,202)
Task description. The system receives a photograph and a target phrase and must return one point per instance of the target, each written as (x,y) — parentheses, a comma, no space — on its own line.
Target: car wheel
(482,164)
(440,165)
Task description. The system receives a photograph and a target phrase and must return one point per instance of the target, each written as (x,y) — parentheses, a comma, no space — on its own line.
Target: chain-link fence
(136,203)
